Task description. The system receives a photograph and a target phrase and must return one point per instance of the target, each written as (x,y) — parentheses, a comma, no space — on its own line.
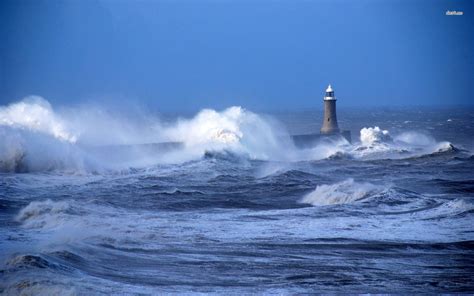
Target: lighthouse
(329,131)
(330,126)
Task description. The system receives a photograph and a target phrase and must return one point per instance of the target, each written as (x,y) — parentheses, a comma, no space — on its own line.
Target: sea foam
(35,114)
(35,137)
(347,191)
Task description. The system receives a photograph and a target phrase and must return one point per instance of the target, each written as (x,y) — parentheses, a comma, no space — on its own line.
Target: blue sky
(275,55)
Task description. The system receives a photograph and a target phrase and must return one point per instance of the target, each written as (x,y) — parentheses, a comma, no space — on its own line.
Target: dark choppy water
(388,214)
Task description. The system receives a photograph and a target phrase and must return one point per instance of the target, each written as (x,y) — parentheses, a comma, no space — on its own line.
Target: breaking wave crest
(376,143)
(347,191)
(389,200)
(36,138)
(373,135)
(35,114)
(44,214)
(88,139)
(234,129)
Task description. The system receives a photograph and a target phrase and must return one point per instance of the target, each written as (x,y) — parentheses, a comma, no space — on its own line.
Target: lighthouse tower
(330,119)
(330,128)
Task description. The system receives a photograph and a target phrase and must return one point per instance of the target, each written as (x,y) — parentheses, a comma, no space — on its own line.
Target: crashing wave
(376,143)
(43,214)
(347,191)
(12,153)
(446,147)
(35,138)
(25,151)
(370,136)
(234,129)
(226,136)
(35,114)
(38,139)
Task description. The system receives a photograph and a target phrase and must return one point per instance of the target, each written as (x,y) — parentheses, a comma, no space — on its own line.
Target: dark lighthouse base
(311,140)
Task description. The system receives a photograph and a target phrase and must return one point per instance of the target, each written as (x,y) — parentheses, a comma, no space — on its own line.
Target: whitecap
(344,192)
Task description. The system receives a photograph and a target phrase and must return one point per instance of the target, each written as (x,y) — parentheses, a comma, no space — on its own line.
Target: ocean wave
(70,222)
(35,114)
(344,192)
(376,144)
(180,192)
(224,155)
(454,186)
(370,136)
(29,261)
(44,214)
(38,138)
(234,130)
(445,147)
(24,151)
(33,287)
(448,209)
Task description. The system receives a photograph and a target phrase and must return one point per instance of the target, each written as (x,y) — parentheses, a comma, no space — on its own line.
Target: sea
(90,204)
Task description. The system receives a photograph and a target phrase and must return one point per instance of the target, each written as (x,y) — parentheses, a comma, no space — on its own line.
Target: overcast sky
(186,55)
